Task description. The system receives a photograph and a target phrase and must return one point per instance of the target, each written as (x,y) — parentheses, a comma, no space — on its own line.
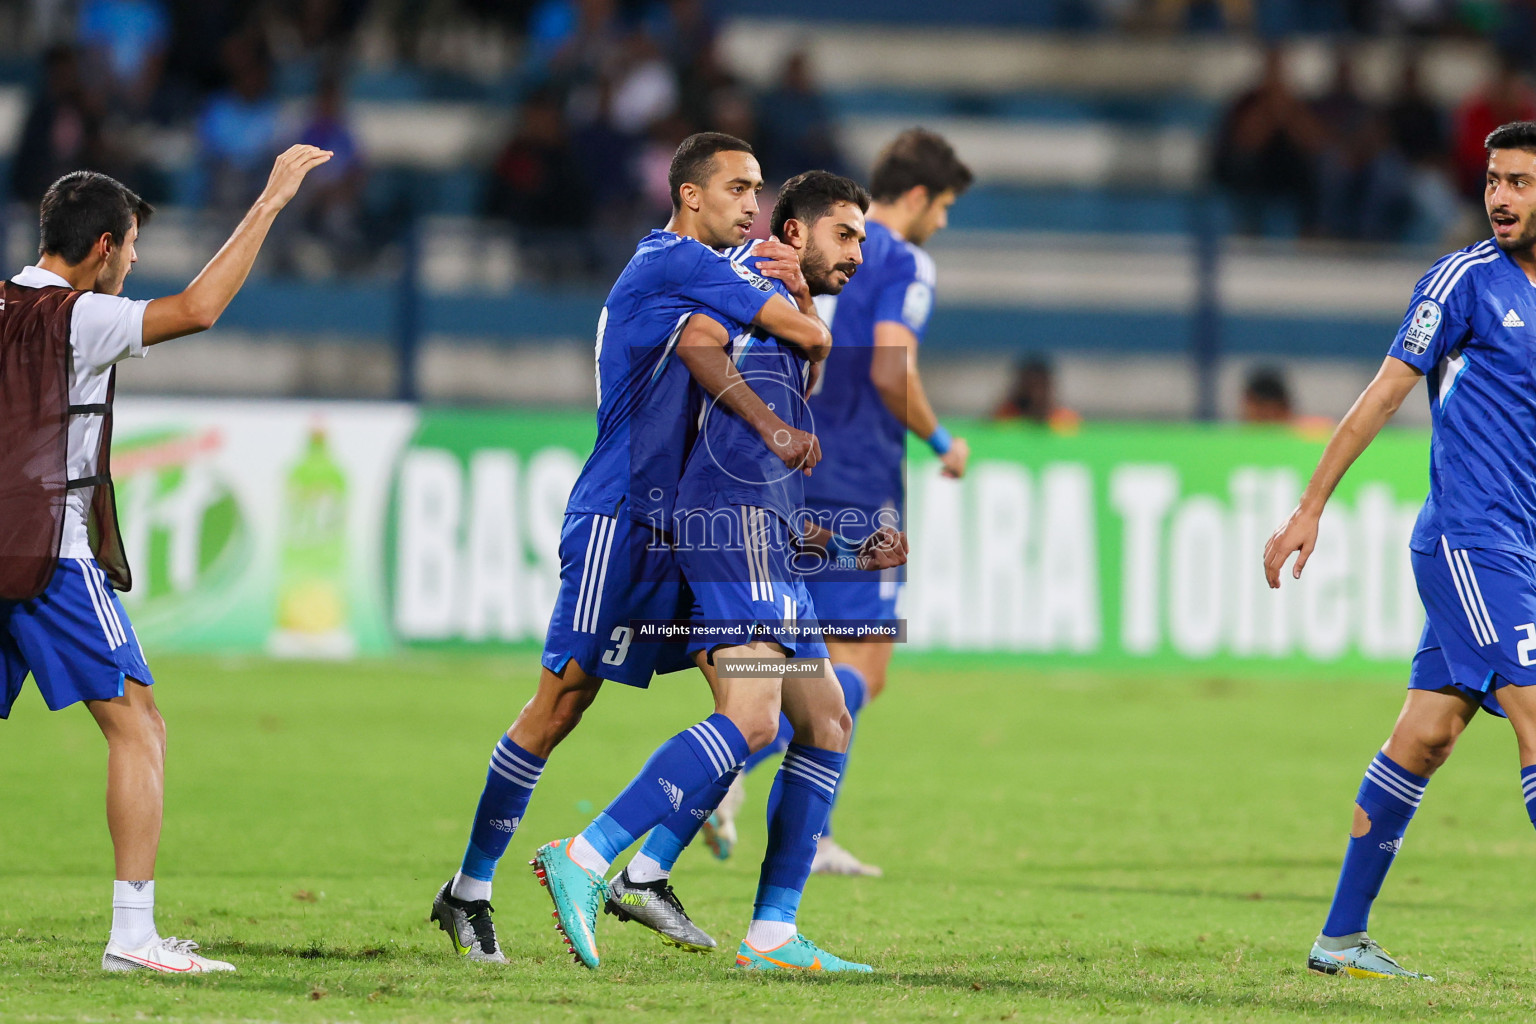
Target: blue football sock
(1528,786)
(855,695)
(509,783)
(798,807)
(778,746)
(685,764)
(668,840)
(855,689)
(1389,795)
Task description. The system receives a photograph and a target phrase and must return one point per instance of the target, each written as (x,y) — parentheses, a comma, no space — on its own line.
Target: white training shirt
(103,330)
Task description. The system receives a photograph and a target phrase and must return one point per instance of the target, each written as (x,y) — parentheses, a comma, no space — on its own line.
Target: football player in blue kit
(614,568)
(869,398)
(738,528)
(1469,331)
(740,533)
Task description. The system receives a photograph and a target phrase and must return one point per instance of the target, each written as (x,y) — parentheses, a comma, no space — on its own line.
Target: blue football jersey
(644,420)
(1466,329)
(863,445)
(729,463)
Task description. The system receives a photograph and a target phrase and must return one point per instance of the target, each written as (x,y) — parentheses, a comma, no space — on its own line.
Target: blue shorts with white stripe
(74,638)
(1480,622)
(740,566)
(614,572)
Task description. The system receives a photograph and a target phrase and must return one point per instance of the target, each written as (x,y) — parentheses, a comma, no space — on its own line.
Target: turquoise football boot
(798,954)
(578,895)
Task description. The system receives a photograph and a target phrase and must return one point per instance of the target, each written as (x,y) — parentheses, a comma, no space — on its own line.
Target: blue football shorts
(614,573)
(744,584)
(1480,622)
(74,638)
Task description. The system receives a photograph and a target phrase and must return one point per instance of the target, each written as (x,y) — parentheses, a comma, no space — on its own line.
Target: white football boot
(832,859)
(169,956)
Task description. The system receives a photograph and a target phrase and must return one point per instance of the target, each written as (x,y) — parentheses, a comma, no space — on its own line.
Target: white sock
(645,868)
(133,913)
(766,935)
(469,889)
(583,853)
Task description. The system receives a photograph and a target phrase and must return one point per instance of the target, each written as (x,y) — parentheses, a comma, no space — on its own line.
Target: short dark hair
(808,197)
(917,157)
(695,160)
(81,207)
(1267,384)
(1515,135)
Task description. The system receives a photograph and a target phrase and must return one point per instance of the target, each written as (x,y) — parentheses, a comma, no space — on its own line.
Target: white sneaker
(719,831)
(171,956)
(832,859)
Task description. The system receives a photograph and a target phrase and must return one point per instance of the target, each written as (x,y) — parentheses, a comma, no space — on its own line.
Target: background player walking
(63,328)
(1474,545)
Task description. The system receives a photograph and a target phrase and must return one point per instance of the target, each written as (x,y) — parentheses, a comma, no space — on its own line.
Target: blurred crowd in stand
(603,90)
(1339,165)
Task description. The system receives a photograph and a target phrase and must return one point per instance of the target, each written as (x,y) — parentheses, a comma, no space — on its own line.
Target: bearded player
(1469,331)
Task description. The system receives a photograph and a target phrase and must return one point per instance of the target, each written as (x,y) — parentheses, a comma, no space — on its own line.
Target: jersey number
(622,634)
(1526,646)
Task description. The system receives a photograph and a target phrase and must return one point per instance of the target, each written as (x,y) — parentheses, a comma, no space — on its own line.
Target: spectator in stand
(1361,180)
(1266,397)
(1031,398)
(537,187)
(796,124)
(124,43)
(608,160)
(330,210)
(62,132)
(1266,149)
(571,41)
(645,87)
(1506,97)
(240,127)
(1418,130)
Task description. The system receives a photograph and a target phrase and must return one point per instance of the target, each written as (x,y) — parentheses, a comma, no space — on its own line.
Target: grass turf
(1057,846)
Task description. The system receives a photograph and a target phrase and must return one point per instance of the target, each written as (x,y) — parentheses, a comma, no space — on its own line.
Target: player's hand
(886,548)
(289,171)
(797,449)
(1297,533)
(955,459)
(783,265)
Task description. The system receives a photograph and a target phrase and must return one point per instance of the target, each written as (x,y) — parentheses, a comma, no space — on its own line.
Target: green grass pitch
(1058,846)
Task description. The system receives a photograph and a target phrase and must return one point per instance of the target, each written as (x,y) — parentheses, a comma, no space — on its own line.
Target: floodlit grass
(1058,846)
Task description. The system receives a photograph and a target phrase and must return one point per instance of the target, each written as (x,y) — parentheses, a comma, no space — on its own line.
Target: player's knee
(758,727)
(1422,747)
(874,684)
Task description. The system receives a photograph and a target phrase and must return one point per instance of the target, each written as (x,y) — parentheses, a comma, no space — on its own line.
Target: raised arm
(1371,411)
(701,347)
(202,302)
(893,371)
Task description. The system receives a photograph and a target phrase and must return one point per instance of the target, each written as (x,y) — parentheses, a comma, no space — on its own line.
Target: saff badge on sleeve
(1426,321)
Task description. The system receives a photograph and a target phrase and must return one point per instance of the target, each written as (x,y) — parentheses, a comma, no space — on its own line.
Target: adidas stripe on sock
(1389,794)
(509,782)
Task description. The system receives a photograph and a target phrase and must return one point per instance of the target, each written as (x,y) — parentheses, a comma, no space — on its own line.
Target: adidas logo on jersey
(1512,319)
(674,794)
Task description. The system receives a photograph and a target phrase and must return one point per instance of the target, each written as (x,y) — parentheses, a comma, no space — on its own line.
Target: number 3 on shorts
(1526,646)
(623,635)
